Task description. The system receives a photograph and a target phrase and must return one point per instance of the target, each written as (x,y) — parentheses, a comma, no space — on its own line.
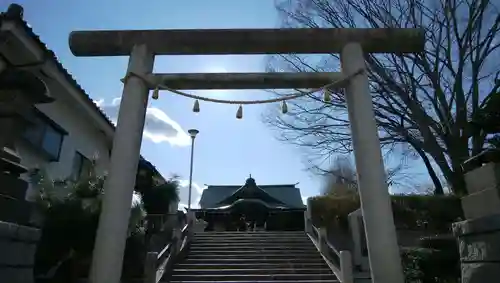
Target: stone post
(177,238)
(119,186)
(383,249)
(346,268)
(322,240)
(19,92)
(357,234)
(150,264)
(308,218)
(479,236)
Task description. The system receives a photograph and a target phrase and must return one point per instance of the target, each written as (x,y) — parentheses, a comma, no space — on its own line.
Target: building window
(45,135)
(82,166)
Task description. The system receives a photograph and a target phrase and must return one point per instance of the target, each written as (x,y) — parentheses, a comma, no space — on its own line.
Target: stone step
(252,277)
(217,248)
(251,271)
(254,265)
(257,281)
(247,240)
(251,244)
(249,234)
(254,252)
(258,240)
(261,256)
(281,261)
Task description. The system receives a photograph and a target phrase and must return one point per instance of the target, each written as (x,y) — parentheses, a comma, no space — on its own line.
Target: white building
(69,131)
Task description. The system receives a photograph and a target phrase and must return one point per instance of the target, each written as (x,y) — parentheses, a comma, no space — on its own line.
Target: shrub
(70,223)
(327,210)
(157,200)
(428,212)
(411,212)
(439,264)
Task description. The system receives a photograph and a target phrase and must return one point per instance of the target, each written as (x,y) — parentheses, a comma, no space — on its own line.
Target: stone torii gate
(143,45)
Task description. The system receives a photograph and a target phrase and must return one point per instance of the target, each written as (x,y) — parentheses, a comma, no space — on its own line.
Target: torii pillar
(142,45)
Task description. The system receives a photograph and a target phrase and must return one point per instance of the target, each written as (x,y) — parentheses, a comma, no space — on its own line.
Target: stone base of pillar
(17,246)
(479,246)
(13,205)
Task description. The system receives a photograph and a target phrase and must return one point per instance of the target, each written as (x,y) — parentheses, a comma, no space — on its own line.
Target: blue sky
(227,150)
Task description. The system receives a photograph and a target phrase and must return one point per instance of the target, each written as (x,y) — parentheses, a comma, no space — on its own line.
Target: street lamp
(192,133)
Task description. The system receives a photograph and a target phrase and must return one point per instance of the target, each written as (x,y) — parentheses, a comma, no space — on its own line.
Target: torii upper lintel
(245,41)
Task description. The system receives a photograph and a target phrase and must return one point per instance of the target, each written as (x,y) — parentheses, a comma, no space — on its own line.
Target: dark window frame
(44,124)
(83,161)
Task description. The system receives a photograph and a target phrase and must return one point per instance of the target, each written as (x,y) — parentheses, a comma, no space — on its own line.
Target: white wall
(82,136)
(69,110)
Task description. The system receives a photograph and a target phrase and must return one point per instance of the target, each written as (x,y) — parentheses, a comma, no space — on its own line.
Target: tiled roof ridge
(265,186)
(51,54)
(15,13)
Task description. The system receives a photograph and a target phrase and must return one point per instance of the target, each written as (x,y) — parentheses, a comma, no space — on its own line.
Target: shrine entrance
(143,45)
(251,207)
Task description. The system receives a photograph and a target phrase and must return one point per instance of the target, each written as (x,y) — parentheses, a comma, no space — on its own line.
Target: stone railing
(340,262)
(157,263)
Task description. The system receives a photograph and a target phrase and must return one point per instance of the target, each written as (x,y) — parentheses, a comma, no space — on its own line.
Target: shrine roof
(288,194)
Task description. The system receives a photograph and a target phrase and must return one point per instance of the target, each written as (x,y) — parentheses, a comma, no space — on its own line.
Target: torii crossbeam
(143,45)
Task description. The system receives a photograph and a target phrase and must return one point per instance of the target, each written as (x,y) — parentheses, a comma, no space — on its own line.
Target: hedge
(437,261)
(411,212)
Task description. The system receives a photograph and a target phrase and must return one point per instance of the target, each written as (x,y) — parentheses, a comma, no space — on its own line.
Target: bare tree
(341,178)
(423,102)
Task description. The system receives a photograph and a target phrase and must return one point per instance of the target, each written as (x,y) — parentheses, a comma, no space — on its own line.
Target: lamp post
(192,133)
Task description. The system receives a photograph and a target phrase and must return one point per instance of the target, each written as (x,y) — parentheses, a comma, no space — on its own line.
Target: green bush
(328,210)
(437,260)
(411,212)
(439,264)
(70,220)
(426,212)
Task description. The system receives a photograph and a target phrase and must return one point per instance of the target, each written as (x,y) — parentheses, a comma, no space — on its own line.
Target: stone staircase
(252,257)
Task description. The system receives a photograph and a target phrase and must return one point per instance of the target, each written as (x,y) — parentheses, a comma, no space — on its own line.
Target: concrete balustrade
(346,267)
(343,268)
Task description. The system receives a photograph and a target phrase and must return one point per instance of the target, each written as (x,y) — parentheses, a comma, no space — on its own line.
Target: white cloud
(158,127)
(304,200)
(197,190)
